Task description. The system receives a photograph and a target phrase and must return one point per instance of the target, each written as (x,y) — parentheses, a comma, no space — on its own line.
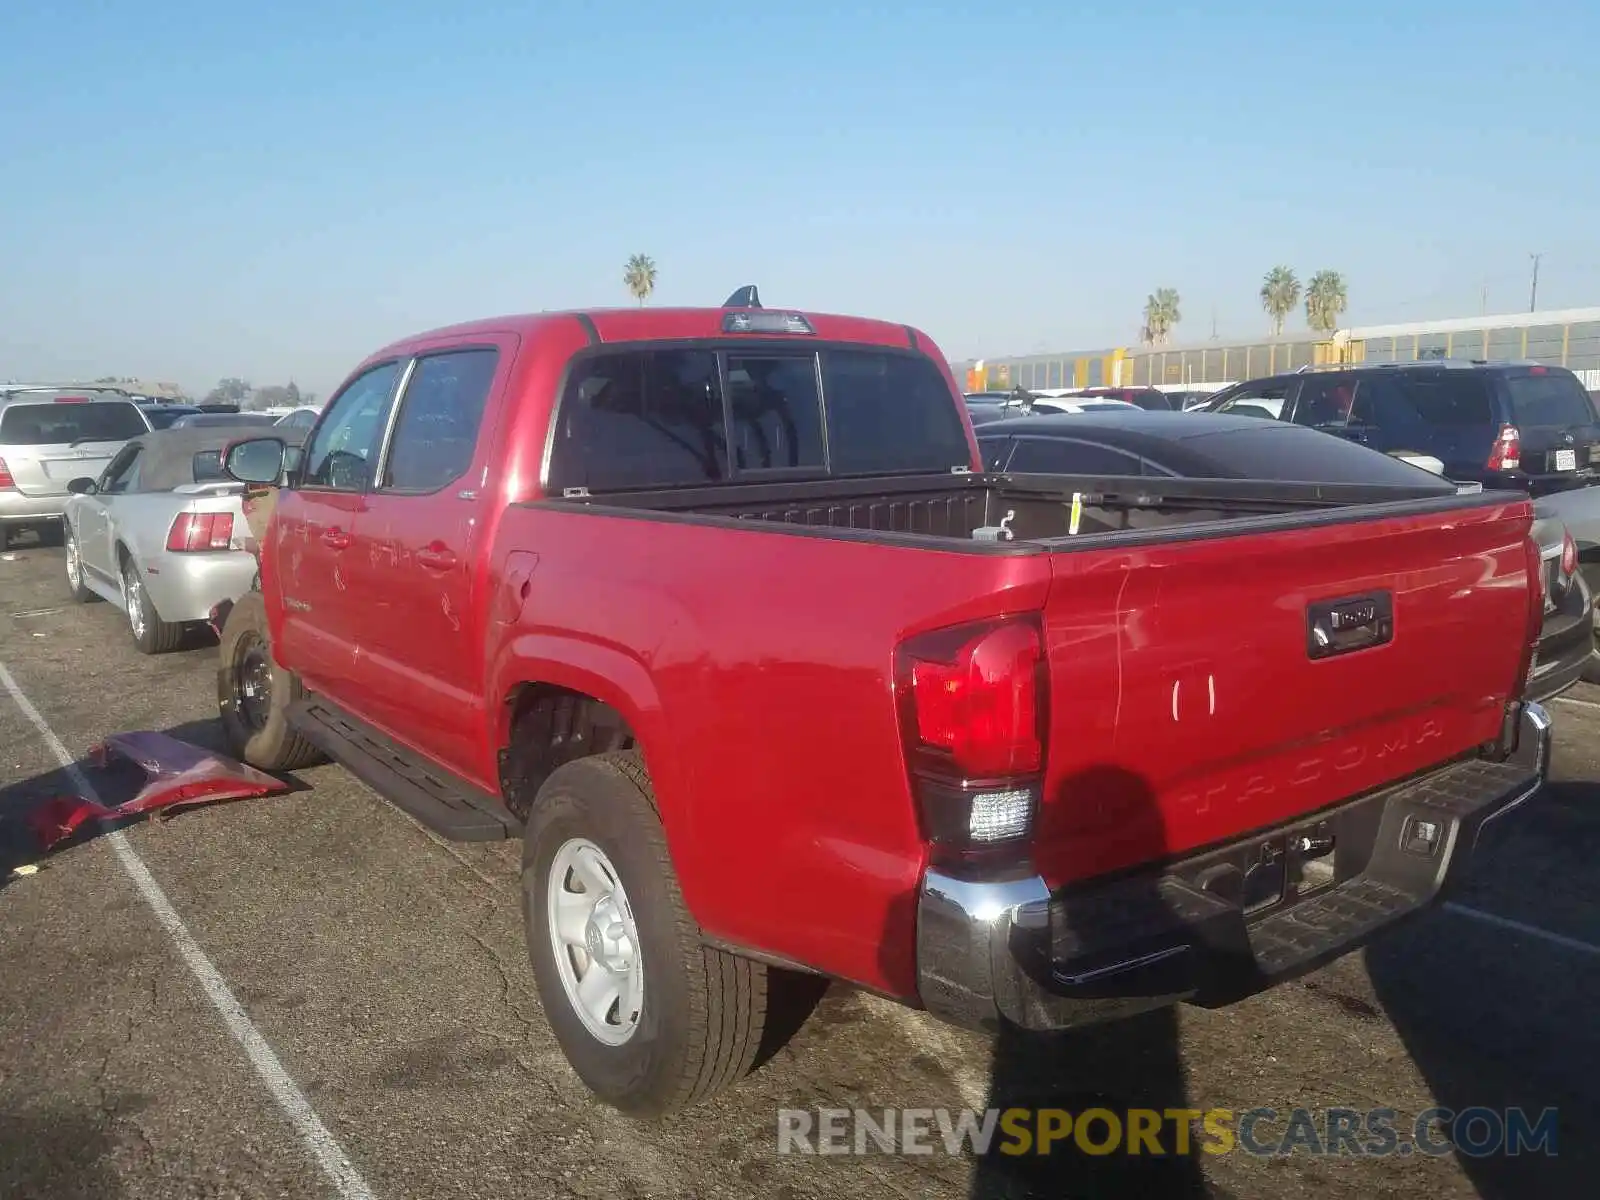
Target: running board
(440,799)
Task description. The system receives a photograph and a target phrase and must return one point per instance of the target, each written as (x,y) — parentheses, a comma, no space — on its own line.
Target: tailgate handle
(1349,624)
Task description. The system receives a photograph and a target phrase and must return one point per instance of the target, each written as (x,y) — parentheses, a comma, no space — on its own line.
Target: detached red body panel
(177,774)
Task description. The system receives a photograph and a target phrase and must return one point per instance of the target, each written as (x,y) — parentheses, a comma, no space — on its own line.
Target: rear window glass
(61,424)
(1554,399)
(1300,454)
(890,412)
(657,418)
(777,421)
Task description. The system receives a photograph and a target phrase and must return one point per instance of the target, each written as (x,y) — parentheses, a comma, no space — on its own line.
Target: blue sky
(199,189)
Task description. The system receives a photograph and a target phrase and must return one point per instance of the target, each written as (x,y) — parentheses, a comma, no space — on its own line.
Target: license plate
(1566,460)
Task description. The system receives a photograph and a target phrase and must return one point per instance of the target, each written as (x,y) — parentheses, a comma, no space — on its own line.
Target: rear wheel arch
(547,726)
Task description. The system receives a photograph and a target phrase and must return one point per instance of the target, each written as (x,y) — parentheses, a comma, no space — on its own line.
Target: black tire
(258,733)
(149,632)
(704,1011)
(69,541)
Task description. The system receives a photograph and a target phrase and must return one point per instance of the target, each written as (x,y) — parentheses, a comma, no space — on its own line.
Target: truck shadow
(1121,1065)
(113,784)
(1497,1021)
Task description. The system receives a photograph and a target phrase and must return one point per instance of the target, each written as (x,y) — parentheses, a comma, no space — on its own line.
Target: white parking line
(1579,703)
(1544,935)
(324,1147)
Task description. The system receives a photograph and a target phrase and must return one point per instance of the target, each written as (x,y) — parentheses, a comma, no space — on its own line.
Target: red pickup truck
(717,610)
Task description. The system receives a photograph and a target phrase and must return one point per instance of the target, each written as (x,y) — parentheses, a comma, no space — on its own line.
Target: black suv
(1502,424)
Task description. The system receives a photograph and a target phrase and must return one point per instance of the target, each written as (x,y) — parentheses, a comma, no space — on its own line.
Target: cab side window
(344,450)
(1265,399)
(436,434)
(1326,402)
(995,451)
(1068,456)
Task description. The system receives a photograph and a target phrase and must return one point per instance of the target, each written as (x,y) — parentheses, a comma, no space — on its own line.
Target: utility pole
(1483,305)
(1213,323)
(1533,292)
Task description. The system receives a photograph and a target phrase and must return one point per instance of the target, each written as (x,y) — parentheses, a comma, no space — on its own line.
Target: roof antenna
(745,297)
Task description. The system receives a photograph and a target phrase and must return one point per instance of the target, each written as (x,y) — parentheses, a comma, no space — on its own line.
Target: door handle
(335,539)
(436,558)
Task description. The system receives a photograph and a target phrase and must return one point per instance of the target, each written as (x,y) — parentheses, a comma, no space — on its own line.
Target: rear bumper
(187,587)
(19,509)
(1566,644)
(1010,951)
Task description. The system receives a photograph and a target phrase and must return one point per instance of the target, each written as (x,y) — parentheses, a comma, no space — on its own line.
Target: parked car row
(52,434)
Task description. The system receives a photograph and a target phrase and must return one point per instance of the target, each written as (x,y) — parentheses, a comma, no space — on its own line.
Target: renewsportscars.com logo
(1264,1132)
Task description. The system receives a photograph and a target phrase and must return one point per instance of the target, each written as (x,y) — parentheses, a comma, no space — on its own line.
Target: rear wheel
(650,1017)
(254,693)
(150,633)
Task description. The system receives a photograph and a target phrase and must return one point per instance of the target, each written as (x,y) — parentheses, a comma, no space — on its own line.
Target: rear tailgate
(1188,707)
(1559,431)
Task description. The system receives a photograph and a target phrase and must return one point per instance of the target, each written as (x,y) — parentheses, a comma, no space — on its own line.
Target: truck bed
(948,507)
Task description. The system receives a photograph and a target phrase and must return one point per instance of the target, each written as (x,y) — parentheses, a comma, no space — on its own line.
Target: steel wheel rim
(74,571)
(595,942)
(252,682)
(133,601)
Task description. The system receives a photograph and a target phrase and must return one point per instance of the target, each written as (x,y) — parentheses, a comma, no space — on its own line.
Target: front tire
(75,588)
(150,633)
(670,1021)
(254,693)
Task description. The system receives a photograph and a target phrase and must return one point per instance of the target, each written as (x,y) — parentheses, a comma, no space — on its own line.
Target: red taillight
(201,531)
(1569,556)
(6,480)
(72,399)
(976,699)
(1507,452)
(972,714)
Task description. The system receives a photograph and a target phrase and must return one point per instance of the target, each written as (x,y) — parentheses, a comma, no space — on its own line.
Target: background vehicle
(300,418)
(1017,403)
(236,420)
(160,534)
(577,577)
(1149,398)
(49,435)
(161,416)
(1501,424)
(1228,446)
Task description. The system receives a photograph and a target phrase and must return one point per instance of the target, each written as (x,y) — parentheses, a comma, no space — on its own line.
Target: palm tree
(1280,292)
(1325,301)
(640,276)
(1160,315)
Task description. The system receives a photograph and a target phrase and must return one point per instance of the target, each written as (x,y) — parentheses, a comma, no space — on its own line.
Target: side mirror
(258,460)
(83,485)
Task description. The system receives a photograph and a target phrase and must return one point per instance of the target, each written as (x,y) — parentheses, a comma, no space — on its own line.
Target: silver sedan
(161,533)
